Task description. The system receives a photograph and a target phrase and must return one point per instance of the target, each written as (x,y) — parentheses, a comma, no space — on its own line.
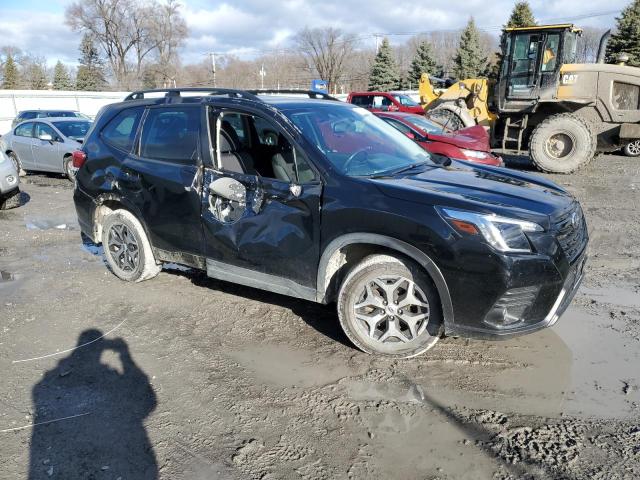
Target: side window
(27,115)
(44,129)
(25,130)
(361,100)
(271,155)
(120,132)
(171,134)
(398,126)
(550,55)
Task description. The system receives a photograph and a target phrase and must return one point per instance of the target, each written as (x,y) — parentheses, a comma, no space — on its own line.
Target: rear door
(21,143)
(162,177)
(261,206)
(46,154)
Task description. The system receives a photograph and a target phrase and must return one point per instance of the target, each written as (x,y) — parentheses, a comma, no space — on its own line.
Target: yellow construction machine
(542,102)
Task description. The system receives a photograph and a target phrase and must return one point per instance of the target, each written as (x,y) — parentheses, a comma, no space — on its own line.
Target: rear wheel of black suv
(127,247)
(388,306)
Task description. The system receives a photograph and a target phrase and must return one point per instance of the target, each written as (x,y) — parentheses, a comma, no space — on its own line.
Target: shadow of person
(89,416)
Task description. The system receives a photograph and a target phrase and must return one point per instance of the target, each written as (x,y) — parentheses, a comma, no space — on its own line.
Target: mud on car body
(321,200)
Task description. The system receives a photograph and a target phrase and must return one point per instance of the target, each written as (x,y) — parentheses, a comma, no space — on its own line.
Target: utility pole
(213,66)
(262,75)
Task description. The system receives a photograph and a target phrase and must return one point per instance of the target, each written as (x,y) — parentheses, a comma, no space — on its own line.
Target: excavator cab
(531,61)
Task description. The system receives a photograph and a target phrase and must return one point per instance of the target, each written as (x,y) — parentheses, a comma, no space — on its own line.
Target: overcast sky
(244,27)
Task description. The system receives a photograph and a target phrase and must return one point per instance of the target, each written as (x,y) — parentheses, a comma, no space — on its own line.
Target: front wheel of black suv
(388,306)
(127,247)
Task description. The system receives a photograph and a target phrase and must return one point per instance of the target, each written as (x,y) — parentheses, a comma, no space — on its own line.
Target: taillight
(79,157)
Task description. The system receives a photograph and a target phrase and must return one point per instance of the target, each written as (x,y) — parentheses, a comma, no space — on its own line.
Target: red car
(471,144)
(385,102)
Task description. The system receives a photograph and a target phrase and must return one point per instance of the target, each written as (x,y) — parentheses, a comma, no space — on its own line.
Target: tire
(10,202)
(67,164)
(632,149)
(17,164)
(136,263)
(375,280)
(562,144)
(446,117)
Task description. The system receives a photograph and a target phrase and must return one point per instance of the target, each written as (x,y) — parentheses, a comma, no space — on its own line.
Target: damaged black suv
(318,199)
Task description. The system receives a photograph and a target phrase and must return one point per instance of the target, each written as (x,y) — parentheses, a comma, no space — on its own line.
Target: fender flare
(126,205)
(394,244)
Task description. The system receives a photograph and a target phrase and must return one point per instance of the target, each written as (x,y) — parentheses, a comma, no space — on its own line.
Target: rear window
(120,132)
(171,134)
(361,100)
(58,113)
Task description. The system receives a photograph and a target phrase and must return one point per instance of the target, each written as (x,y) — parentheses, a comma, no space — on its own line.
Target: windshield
(428,125)
(406,100)
(356,142)
(74,130)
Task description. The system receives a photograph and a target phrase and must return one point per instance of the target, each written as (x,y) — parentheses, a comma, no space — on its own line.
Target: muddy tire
(16,163)
(67,166)
(632,149)
(10,202)
(127,248)
(388,306)
(562,144)
(446,117)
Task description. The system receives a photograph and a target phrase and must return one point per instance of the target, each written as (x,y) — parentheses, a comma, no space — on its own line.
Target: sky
(248,27)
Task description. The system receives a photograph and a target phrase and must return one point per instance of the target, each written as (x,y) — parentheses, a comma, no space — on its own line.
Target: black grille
(571,232)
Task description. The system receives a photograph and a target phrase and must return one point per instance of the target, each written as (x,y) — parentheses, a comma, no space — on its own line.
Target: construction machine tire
(562,144)
(451,116)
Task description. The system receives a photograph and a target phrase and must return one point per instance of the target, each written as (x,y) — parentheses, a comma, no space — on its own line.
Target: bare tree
(128,31)
(326,51)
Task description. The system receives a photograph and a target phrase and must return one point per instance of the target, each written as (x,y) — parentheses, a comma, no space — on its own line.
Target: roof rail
(309,93)
(175,92)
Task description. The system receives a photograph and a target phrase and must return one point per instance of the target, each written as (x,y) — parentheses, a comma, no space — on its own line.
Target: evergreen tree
(90,74)
(627,37)
(469,61)
(422,62)
(10,74)
(37,77)
(61,80)
(384,74)
(521,16)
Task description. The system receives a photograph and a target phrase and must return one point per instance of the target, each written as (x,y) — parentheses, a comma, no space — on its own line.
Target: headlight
(503,233)
(474,153)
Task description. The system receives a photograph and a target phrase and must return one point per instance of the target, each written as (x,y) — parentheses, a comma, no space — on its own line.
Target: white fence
(14,101)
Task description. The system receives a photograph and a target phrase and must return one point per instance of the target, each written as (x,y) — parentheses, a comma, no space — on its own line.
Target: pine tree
(37,77)
(422,62)
(90,74)
(61,80)
(384,74)
(521,16)
(469,61)
(627,37)
(10,74)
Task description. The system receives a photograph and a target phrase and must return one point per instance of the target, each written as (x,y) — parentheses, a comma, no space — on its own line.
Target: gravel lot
(201,379)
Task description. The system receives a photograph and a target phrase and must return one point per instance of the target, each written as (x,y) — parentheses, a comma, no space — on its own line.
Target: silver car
(46,144)
(9,191)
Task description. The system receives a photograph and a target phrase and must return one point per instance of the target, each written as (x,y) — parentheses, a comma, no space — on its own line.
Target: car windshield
(355,141)
(406,100)
(74,130)
(428,125)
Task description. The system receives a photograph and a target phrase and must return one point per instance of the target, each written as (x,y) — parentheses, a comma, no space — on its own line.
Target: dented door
(275,231)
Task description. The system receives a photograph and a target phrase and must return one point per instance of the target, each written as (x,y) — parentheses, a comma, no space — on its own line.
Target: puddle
(277,364)
(6,276)
(613,296)
(51,224)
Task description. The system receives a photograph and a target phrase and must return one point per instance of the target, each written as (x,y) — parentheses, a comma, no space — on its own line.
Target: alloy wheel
(123,247)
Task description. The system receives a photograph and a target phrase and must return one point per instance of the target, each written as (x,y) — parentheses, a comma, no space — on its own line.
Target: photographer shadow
(88,415)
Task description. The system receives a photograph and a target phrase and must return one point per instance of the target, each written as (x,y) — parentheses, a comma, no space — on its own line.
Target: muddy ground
(201,379)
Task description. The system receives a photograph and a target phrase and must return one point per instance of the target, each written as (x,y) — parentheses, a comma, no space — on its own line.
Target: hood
(471,138)
(480,188)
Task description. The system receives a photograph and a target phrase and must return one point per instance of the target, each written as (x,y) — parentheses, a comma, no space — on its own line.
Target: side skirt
(263,281)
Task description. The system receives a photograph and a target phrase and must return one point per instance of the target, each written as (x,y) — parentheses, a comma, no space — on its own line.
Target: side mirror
(46,137)
(229,189)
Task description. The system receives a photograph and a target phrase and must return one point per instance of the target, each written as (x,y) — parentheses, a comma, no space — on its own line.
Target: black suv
(319,199)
